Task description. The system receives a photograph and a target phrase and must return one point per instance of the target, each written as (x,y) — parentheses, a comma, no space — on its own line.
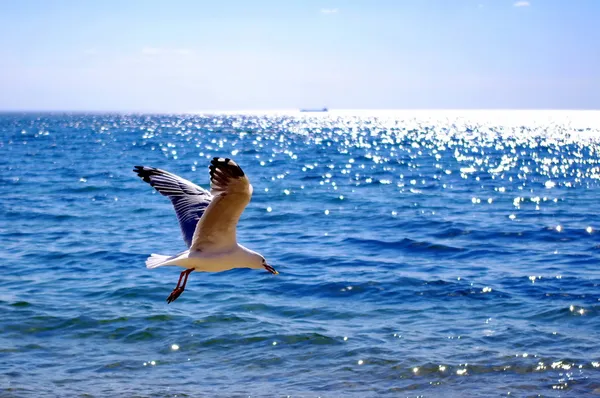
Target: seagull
(208,221)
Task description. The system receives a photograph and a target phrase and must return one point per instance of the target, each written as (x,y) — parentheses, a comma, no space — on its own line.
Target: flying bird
(208,221)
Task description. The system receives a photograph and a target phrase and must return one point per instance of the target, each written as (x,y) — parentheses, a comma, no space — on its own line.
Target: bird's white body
(237,257)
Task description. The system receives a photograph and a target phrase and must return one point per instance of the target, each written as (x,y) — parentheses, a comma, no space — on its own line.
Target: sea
(420,254)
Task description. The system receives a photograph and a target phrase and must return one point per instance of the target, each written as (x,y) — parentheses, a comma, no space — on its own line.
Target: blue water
(418,255)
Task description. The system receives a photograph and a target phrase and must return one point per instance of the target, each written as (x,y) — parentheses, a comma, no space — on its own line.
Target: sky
(197,55)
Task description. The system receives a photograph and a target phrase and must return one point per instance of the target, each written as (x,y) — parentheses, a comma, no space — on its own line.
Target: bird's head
(268,267)
(254,260)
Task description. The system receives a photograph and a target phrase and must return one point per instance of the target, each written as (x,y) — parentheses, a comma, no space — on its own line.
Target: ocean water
(431,254)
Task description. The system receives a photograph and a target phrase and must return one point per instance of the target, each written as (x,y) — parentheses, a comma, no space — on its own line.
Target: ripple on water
(420,253)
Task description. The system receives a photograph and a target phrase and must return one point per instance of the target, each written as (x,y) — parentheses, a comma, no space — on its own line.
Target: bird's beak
(271,269)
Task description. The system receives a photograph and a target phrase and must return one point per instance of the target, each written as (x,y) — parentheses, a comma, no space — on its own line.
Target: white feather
(156,260)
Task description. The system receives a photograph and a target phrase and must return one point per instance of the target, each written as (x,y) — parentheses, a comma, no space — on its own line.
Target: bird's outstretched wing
(190,200)
(231,190)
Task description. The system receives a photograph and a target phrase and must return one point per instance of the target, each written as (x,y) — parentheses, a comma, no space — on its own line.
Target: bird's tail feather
(156,260)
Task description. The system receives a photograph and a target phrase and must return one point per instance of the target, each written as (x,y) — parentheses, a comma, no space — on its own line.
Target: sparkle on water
(449,254)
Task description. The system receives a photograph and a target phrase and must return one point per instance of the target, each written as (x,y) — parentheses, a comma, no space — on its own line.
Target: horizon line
(297,110)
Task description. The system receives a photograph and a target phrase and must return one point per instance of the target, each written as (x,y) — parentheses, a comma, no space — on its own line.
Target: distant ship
(314,110)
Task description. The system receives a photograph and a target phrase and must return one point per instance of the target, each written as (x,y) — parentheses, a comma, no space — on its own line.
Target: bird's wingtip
(227,164)
(143,172)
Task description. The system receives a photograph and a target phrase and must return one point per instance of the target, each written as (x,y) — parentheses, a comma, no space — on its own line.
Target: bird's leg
(187,273)
(179,281)
(179,289)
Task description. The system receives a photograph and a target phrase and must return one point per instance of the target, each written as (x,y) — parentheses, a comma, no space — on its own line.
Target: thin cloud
(522,4)
(183,51)
(155,51)
(329,11)
(151,51)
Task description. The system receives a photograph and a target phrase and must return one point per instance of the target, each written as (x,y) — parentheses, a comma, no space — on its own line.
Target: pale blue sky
(188,55)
